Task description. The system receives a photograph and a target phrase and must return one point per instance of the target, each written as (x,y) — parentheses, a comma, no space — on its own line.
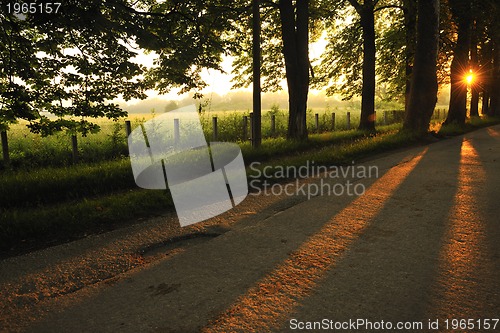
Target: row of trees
(74,62)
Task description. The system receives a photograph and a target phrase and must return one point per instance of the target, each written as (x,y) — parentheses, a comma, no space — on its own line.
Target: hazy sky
(218,82)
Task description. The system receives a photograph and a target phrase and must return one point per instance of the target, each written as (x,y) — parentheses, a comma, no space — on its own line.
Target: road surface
(417,252)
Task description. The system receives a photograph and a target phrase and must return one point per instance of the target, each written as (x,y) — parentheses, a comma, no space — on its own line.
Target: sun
(470,78)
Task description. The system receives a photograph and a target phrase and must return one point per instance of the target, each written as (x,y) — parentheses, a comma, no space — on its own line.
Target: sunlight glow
(462,257)
(469,78)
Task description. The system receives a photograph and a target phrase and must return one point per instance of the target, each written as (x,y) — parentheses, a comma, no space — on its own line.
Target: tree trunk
(474,102)
(486,75)
(367,121)
(424,87)
(458,96)
(486,102)
(494,109)
(256,54)
(295,34)
(303,61)
(410,16)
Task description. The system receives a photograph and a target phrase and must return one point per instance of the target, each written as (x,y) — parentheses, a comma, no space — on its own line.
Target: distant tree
(493,33)
(481,54)
(394,55)
(352,63)
(485,73)
(286,29)
(424,85)
(474,65)
(172,105)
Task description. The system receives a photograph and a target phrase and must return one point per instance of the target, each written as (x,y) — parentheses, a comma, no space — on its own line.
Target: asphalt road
(419,251)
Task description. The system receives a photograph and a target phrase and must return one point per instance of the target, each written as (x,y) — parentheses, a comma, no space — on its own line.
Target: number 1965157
(33,8)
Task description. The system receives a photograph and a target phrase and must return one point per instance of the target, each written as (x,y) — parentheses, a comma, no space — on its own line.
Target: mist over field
(242,101)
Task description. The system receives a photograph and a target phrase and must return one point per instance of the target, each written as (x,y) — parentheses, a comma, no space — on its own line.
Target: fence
(236,127)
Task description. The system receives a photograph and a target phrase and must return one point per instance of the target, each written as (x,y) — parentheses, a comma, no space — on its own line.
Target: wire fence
(217,126)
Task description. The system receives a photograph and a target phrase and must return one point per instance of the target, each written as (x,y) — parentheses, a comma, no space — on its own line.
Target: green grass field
(29,151)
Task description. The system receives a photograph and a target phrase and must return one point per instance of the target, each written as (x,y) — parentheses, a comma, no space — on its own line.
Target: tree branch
(356,5)
(162,15)
(270,3)
(388,6)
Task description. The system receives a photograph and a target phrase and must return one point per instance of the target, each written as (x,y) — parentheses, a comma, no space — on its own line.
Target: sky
(217,81)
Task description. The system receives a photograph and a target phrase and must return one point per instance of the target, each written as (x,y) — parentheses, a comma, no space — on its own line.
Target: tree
(187,36)
(461,13)
(18,70)
(396,49)
(287,28)
(76,65)
(352,64)
(84,58)
(424,85)
(485,73)
(474,68)
(395,53)
(295,34)
(256,60)
(493,8)
(410,19)
(366,12)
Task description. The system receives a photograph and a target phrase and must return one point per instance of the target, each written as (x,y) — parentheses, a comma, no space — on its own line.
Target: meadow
(44,196)
(29,151)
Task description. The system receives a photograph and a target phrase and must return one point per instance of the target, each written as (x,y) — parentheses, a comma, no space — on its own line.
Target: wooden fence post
(333,121)
(177,131)
(215,133)
(128,127)
(273,125)
(251,126)
(316,122)
(5,148)
(245,128)
(74,145)
(348,120)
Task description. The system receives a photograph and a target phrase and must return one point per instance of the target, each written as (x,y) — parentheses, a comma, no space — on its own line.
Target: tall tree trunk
(295,32)
(367,121)
(486,75)
(410,17)
(494,109)
(474,102)
(303,62)
(459,66)
(485,102)
(256,55)
(424,87)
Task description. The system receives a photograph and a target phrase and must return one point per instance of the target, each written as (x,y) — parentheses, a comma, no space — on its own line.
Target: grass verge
(54,205)
(470,125)
(25,229)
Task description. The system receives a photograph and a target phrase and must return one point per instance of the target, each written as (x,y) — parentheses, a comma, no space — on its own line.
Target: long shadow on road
(388,272)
